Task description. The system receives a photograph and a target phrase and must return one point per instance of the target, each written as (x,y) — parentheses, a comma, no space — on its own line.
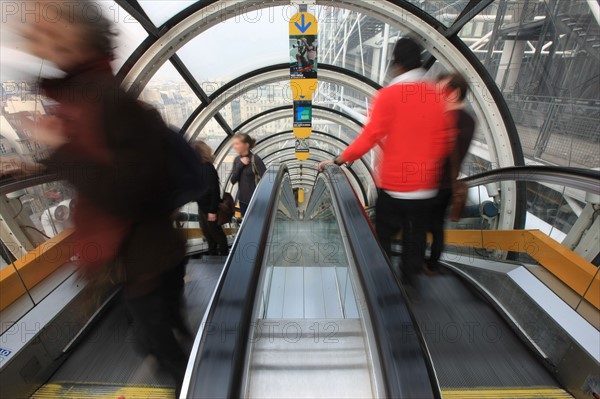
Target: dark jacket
(246,176)
(465,129)
(209,203)
(115,159)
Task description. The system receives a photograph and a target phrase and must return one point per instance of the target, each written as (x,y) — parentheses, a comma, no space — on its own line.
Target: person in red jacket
(410,123)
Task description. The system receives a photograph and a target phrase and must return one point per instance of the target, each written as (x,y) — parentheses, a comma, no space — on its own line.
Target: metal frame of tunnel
(277,113)
(356,180)
(263,76)
(442,42)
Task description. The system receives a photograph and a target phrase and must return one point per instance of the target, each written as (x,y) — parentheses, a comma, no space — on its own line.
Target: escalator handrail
(405,360)
(577,178)
(216,365)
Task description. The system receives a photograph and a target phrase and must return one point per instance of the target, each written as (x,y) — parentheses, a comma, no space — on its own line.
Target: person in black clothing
(248,168)
(209,204)
(456,89)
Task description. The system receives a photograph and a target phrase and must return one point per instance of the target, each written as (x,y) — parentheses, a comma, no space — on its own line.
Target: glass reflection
(545,57)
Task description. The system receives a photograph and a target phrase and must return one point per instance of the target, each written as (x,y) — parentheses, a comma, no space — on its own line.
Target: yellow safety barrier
(34,267)
(507,393)
(97,390)
(574,271)
(191,233)
(577,273)
(42,261)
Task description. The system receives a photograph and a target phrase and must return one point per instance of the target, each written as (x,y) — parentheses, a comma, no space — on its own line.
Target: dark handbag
(226,209)
(458,201)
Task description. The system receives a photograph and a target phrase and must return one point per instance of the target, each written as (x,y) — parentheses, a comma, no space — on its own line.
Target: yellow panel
(32,268)
(506,393)
(576,272)
(303,156)
(11,287)
(300,196)
(304,23)
(302,132)
(593,293)
(44,260)
(303,89)
(192,233)
(95,391)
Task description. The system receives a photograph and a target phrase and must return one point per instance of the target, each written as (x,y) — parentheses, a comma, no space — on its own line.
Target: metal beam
(133,8)
(468,13)
(197,89)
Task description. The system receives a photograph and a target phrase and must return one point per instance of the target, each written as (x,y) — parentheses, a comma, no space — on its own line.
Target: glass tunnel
(307,304)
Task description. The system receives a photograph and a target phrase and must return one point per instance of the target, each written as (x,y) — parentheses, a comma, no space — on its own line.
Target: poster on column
(304,50)
(302,149)
(304,64)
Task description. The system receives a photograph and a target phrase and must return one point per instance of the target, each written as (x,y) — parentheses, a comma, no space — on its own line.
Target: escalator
(329,319)
(318,313)
(476,354)
(106,364)
(307,304)
(311,308)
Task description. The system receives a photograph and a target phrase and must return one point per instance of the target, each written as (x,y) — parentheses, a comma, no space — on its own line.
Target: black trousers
(156,315)
(438,217)
(409,216)
(244,208)
(215,236)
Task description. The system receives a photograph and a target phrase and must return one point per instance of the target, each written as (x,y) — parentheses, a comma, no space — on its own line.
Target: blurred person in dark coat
(456,89)
(208,205)
(248,169)
(111,149)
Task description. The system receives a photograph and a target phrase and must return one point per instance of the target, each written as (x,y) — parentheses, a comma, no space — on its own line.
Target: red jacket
(415,132)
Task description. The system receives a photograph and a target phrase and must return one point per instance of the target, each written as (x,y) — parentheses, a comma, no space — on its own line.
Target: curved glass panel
(212,134)
(266,130)
(31,217)
(340,98)
(358,42)
(284,123)
(253,101)
(557,211)
(445,11)
(160,11)
(545,59)
(238,45)
(171,96)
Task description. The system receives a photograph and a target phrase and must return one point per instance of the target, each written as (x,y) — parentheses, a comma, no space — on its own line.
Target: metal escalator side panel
(405,361)
(216,364)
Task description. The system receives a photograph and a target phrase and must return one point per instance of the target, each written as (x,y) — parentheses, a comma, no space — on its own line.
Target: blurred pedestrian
(248,169)
(208,205)
(408,120)
(111,149)
(455,88)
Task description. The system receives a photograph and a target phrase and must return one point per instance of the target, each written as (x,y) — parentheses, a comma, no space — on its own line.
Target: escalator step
(68,390)
(507,393)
